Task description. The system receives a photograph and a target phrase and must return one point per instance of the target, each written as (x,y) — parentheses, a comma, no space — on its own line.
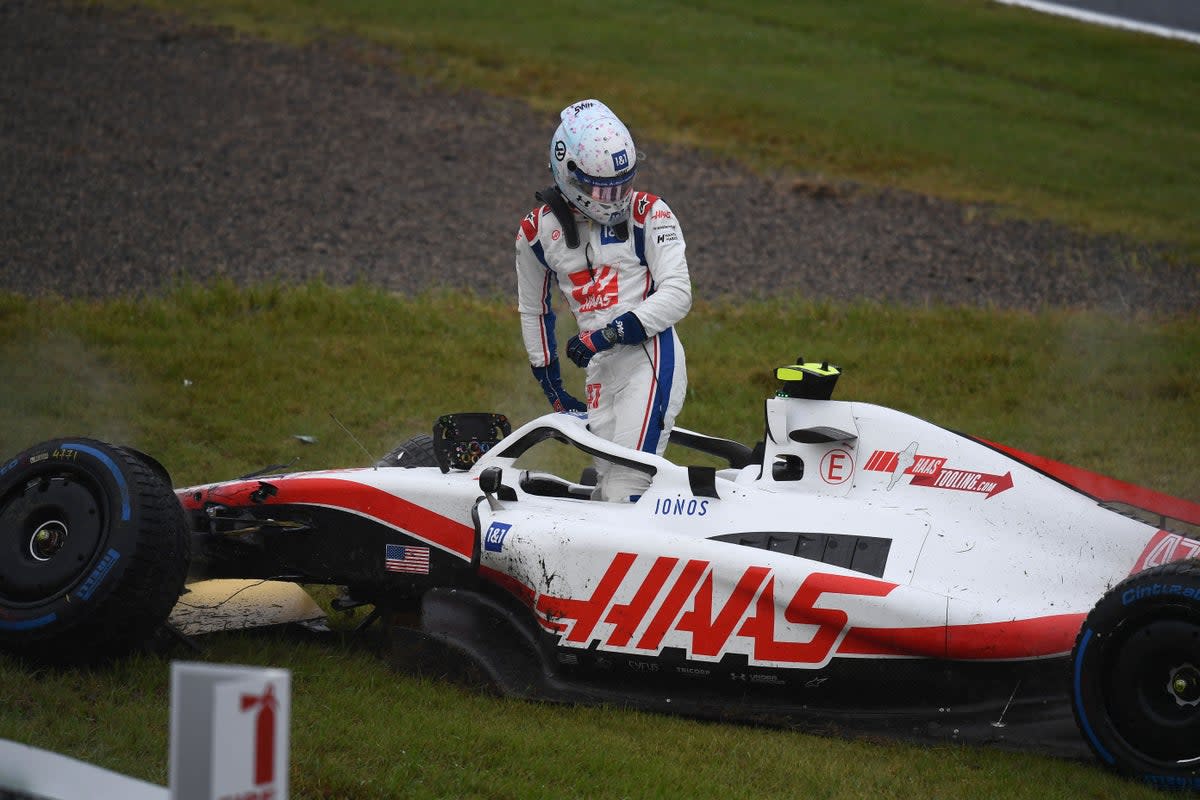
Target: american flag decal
(406,558)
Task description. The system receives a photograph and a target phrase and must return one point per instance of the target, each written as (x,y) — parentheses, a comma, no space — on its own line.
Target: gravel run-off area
(138,150)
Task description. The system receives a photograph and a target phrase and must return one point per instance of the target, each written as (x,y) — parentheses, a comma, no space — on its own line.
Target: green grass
(1093,127)
(219,381)
(361,731)
(216,381)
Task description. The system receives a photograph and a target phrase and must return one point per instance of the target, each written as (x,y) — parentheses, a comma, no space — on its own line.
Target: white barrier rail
(1108,20)
(229,741)
(42,774)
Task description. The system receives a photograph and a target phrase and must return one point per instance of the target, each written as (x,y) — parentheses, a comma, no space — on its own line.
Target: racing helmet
(593,160)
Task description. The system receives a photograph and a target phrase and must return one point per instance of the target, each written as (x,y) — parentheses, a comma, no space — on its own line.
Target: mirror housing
(490,479)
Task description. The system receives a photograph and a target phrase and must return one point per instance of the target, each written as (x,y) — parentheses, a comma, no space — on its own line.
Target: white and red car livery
(857,569)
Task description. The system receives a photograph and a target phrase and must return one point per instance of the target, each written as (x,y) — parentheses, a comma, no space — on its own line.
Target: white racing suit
(633,391)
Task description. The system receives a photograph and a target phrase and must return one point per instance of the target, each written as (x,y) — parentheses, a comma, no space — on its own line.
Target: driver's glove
(550,380)
(625,329)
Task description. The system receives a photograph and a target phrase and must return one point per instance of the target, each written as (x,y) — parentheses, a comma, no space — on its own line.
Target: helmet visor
(616,189)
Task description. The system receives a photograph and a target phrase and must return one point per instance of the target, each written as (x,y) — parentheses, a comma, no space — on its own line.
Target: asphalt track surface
(1180,15)
(138,150)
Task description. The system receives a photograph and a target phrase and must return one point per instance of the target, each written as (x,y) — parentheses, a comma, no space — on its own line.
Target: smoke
(55,385)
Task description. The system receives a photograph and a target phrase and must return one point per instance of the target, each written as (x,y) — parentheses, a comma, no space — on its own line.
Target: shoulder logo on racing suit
(529,225)
(641,206)
(594,290)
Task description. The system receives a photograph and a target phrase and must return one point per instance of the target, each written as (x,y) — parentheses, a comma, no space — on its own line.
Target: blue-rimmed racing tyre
(1136,677)
(94,550)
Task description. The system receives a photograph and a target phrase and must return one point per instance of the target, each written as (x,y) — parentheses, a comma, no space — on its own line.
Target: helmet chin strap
(553,197)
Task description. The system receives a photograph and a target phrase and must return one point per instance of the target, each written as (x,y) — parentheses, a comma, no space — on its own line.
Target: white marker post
(229,732)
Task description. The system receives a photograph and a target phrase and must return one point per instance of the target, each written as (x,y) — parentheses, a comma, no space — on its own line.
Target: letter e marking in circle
(837,466)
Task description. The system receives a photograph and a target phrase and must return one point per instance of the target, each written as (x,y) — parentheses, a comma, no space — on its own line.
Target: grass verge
(218,381)
(395,736)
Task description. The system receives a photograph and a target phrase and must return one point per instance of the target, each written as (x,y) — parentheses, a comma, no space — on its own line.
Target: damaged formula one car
(858,570)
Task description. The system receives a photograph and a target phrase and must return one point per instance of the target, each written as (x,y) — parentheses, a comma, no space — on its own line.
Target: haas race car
(858,570)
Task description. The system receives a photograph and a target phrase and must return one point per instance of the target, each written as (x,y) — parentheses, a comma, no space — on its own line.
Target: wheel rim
(1154,690)
(48,539)
(1184,685)
(50,531)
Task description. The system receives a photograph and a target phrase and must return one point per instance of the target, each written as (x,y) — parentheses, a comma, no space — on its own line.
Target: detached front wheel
(1136,677)
(94,550)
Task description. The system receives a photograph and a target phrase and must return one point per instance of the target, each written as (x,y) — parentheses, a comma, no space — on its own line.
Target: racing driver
(617,257)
